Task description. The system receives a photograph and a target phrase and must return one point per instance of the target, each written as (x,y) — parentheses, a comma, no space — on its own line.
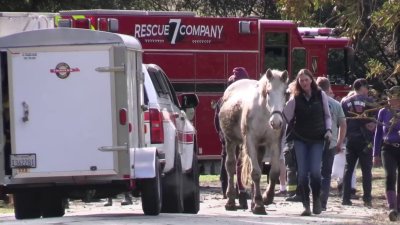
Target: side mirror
(188,101)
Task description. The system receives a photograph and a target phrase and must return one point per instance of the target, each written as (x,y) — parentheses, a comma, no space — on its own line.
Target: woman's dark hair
(298,90)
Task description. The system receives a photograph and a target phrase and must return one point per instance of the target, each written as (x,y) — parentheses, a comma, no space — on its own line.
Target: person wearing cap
(360,133)
(387,147)
(238,73)
(338,136)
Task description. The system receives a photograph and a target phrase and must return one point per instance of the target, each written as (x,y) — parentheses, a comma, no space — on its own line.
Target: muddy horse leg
(230,169)
(258,207)
(268,196)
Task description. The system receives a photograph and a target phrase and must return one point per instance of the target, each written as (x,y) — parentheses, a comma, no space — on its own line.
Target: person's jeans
(326,170)
(360,151)
(309,160)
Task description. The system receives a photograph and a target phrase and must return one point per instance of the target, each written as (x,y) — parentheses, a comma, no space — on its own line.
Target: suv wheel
(173,188)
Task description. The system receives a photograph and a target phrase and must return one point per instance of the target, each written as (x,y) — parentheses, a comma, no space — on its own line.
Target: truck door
(61,111)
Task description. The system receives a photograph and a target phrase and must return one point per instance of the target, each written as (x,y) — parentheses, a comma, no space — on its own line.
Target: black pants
(358,150)
(291,166)
(391,164)
(326,170)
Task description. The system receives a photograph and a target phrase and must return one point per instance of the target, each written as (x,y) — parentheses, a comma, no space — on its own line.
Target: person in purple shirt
(308,111)
(387,146)
(238,74)
(360,134)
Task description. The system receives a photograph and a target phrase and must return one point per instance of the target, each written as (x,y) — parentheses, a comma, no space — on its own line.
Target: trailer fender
(143,162)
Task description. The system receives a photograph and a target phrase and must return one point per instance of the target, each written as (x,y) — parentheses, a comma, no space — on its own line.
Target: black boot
(317,208)
(307,210)
(243,200)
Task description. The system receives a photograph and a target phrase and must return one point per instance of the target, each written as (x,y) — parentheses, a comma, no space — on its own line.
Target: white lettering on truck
(156,30)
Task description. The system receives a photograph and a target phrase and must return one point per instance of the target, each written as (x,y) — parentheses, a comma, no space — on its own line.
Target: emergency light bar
(312,32)
(82,23)
(65,23)
(103,24)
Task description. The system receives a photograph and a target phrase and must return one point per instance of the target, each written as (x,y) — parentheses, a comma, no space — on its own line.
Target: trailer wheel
(26,205)
(173,188)
(51,204)
(192,188)
(151,192)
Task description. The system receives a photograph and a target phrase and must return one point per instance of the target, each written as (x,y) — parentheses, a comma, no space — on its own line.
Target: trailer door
(61,111)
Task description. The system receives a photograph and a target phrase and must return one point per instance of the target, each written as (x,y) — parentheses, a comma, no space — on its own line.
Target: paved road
(212,212)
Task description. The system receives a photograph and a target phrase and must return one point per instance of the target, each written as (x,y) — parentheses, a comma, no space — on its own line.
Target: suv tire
(151,192)
(173,188)
(192,187)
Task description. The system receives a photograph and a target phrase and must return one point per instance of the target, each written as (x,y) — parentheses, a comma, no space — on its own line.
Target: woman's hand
(328,135)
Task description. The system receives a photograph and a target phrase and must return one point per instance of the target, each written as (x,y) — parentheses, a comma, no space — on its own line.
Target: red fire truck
(199,53)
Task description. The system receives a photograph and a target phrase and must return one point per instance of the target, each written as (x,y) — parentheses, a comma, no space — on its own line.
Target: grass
(4,208)
(209,179)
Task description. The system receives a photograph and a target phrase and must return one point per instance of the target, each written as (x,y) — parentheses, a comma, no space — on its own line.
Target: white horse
(251,114)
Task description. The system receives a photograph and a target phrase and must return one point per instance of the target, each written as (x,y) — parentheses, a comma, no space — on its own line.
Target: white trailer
(15,22)
(73,120)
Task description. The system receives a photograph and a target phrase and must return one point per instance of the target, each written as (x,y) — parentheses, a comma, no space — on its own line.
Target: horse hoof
(259,210)
(230,207)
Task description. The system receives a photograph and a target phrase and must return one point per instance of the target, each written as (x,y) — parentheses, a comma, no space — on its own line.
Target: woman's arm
(288,110)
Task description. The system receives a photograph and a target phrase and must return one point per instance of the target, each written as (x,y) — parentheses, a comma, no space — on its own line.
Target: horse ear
(269,74)
(284,76)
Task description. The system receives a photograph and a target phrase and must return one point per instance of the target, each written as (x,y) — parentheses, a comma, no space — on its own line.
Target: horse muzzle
(276,120)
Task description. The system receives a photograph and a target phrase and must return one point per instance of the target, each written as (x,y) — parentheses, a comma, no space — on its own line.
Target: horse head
(273,89)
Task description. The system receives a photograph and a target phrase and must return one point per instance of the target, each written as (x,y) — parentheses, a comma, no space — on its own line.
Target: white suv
(168,127)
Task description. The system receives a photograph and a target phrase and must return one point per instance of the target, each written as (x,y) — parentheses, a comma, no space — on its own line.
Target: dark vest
(309,118)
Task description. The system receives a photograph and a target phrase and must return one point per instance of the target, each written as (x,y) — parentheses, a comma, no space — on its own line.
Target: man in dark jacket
(360,132)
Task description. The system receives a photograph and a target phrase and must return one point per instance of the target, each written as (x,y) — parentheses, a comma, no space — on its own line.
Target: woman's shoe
(317,208)
(243,200)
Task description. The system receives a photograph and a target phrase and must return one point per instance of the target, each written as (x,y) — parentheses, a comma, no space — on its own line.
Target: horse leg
(258,207)
(230,169)
(268,196)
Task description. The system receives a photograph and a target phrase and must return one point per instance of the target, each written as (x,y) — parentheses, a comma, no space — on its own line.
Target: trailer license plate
(23,161)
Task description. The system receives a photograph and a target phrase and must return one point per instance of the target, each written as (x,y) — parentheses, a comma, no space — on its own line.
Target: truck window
(171,90)
(336,65)
(159,84)
(276,50)
(299,61)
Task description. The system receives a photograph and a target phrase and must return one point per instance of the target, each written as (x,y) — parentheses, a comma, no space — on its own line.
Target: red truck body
(199,53)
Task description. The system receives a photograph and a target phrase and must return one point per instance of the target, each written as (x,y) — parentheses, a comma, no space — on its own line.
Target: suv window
(158,82)
(171,88)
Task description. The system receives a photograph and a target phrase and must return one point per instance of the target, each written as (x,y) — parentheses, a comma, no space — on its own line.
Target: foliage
(376,68)
(373,25)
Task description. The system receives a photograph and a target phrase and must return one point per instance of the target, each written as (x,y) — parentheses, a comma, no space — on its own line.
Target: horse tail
(246,167)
